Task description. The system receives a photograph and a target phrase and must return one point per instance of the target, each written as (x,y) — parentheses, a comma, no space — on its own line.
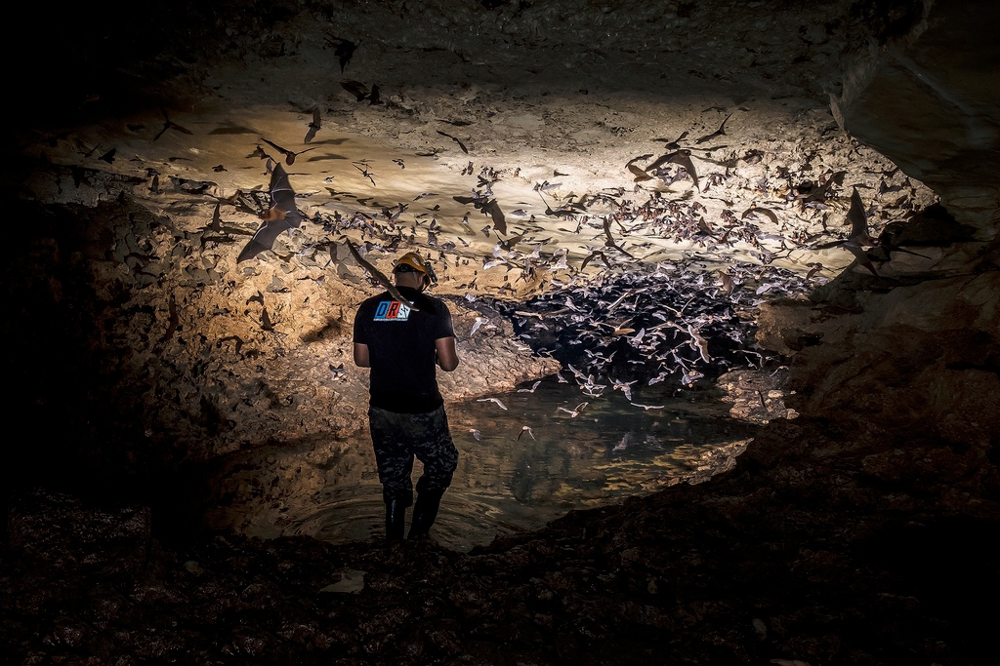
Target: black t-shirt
(401,349)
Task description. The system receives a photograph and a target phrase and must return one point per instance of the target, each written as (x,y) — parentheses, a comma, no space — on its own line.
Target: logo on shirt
(391,311)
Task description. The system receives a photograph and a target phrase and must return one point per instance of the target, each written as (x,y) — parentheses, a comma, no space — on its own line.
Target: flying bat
(819,193)
(488,207)
(356,88)
(216,224)
(456,140)
(289,155)
(609,241)
(573,413)
(719,132)
(494,400)
(361,92)
(364,170)
(344,50)
(640,174)
(638,159)
(592,255)
(499,220)
(169,124)
(561,212)
(859,220)
(754,209)
(379,276)
(680,157)
(859,233)
(675,144)
(281,216)
(314,126)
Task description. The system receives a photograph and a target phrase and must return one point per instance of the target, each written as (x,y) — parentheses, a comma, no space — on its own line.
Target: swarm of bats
(283,216)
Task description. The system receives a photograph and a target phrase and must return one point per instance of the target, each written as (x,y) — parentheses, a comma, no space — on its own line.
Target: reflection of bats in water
(379,277)
(281,216)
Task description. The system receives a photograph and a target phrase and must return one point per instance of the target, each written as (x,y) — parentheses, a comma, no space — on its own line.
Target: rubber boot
(395,520)
(424,512)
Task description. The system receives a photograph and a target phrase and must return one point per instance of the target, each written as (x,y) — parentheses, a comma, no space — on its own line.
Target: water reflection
(512,478)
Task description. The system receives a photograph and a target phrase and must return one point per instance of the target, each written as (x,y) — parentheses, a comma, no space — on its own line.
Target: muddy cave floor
(789,556)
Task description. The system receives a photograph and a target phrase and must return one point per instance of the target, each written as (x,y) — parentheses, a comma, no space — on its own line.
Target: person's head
(412,270)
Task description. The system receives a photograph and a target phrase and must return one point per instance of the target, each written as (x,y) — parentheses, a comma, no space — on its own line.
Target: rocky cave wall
(878,495)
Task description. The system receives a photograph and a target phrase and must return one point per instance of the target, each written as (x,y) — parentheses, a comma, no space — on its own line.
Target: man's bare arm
(361,356)
(447,355)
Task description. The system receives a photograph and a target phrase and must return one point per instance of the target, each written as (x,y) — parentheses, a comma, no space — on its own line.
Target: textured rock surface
(857,533)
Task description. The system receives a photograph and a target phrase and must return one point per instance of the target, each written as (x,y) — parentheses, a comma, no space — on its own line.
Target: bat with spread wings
(488,207)
(281,216)
(379,277)
(859,234)
(680,157)
(610,242)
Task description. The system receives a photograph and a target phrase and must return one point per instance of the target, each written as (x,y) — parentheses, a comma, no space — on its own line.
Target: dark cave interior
(857,533)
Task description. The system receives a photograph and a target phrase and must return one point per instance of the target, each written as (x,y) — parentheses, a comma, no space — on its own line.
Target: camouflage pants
(397,438)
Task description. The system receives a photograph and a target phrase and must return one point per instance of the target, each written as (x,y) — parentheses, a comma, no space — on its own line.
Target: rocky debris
(757,395)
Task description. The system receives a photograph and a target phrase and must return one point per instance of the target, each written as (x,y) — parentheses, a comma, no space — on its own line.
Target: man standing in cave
(402,344)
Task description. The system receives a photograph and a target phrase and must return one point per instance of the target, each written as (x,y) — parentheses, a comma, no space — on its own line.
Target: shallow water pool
(511,479)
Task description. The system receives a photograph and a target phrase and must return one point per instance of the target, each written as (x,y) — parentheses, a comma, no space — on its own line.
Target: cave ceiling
(557,113)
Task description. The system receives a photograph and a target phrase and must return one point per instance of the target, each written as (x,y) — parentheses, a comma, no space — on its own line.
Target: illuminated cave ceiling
(552,100)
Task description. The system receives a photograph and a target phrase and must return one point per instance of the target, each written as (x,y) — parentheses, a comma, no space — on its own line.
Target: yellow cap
(413,260)
(417,263)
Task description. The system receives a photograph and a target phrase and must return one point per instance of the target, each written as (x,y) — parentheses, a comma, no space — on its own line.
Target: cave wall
(899,373)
